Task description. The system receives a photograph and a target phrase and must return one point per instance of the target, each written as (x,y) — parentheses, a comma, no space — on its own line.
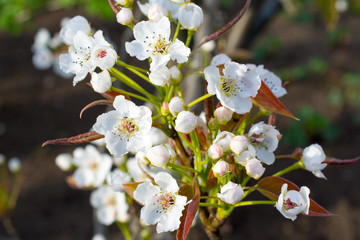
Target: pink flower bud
(185,122)
(158,155)
(215,151)
(155,12)
(223,115)
(176,105)
(125,16)
(238,144)
(254,168)
(220,168)
(231,193)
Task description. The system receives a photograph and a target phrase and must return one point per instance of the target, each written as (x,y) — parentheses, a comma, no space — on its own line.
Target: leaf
(98,102)
(190,209)
(266,99)
(130,189)
(270,187)
(82,138)
(337,162)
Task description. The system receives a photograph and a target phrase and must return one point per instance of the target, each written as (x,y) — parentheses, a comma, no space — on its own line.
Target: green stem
(189,37)
(201,204)
(170,94)
(250,203)
(191,73)
(288,169)
(245,181)
(285,156)
(128,66)
(172,165)
(125,230)
(177,31)
(132,95)
(199,100)
(179,170)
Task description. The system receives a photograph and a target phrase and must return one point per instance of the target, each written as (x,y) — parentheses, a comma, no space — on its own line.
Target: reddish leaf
(82,138)
(270,187)
(335,161)
(266,99)
(98,102)
(190,209)
(204,145)
(130,189)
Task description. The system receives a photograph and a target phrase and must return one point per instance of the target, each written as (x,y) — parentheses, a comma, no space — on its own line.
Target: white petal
(151,212)
(179,52)
(265,156)
(137,49)
(145,192)
(106,215)
(166,182)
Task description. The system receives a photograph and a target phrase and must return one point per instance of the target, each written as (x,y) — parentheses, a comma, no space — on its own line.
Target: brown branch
(114,7)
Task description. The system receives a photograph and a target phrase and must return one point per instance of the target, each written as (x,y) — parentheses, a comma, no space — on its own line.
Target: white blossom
(64,161)
(234,87)
(223,139)
(176,105)
(72,27)
(160,77)
(117,178)
(160,155)
(169,7)
(215,151)
(220,168)
(126,128)
(231,193)
(223,115)
(152,41)
(185,122)
(14,164)
(254,168)
(124,16)
(190,16)
(313,158)
(156,12)
(238,144)
(162,205)
(101,82)
(291,203)
(110,206)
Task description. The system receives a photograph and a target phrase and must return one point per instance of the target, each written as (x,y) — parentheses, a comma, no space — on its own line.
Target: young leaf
(98,102)
(266,99)
(193,193)
(130,189)
(270,187)
(82,138)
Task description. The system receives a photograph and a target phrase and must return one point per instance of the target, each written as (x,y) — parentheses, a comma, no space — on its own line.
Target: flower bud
(238,144)
(158,156)
(157,136)
(190,16)
(224,139)
(101,82)
(220,168)
(254,168)
(64,161)
(175,75)
(215,151)
(125,16)
(140,158)
(185,122)
(209,46)
(160,77)
(291,203)
(313,159)
(14,164)
(155,12)
(125,3)
(231,193)
(176,105)
(223,115)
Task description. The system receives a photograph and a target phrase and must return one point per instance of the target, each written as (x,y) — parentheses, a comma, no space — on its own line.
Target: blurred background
(314,46)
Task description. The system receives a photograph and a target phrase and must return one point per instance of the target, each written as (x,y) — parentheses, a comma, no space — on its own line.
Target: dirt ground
(38,105)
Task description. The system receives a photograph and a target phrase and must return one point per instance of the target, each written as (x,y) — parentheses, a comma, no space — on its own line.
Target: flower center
(126,128)
(101,53)
(161,46)
(165,200)
(228,86)
(288,204)
(82,55)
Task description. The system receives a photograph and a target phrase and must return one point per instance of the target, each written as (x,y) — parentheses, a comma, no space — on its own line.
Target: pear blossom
(185,122)
(126,128)
(92,166)
(270,79)
(160,77)
(14,164)
(137,173)
(169,7)
(238,144)
(117,178)
(176,105)
(231,193)
(86,54)
(156,12)
(220,168)
(223,139)
(254,168)
(110,206)
(234,87)
(291,203)
(215,151)
(313,158)
(125,16)
(220,59)
(264,138)
(101,82)
(223,115)
(152,41)
(190,16)
(72,27)
(160,155)
(64,161)
(162,205)
(246,155)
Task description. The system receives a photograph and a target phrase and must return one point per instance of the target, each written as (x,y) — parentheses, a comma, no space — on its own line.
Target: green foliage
(312,127)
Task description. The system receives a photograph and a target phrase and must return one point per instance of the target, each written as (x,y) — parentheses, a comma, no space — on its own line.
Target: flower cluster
(162,154)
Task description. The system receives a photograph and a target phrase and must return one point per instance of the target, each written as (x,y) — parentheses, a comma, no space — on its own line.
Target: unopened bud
(190,16)
(160,77)
(156,12)
(160,155)
(254,168)
(220,168)
(223,115)
(101,82)
(231,193)
(176,105)
(125,16)
(175,75)
(238,144)
(215,151)
(185,122)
